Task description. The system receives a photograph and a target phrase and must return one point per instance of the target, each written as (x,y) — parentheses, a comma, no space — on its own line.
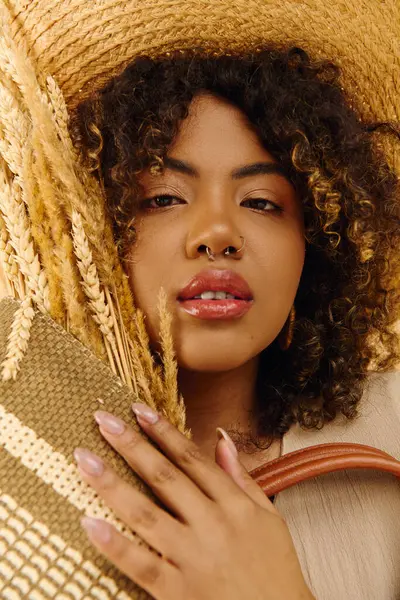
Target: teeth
(207,296)
(216,296)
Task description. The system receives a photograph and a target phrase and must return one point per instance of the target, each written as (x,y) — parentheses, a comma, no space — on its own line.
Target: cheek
(280,256)
(149,267)
(282,265)
(278,273)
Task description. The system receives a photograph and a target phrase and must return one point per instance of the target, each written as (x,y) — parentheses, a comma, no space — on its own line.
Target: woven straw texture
(44,415)
(83,44)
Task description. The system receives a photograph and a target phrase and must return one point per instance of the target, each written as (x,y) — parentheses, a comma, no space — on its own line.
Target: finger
(155,575)
(229,461)
(159,529)
(208,476)
(169,483)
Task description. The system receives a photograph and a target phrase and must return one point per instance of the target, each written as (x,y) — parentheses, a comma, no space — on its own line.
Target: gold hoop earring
(286,335)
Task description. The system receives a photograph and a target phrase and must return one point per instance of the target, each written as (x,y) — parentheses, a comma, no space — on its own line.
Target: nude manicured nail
(89,462)
(108,422)
(145,412)
(222,434)
(97,530)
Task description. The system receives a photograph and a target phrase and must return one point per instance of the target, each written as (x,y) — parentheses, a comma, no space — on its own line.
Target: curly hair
(347,301)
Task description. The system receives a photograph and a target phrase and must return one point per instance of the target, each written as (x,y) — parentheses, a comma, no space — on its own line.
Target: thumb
(227,458)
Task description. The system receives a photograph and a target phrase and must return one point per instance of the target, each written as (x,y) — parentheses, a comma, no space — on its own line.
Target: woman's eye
(262,205)
(160,201)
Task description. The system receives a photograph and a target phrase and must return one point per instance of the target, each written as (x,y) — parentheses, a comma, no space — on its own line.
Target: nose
(215,236)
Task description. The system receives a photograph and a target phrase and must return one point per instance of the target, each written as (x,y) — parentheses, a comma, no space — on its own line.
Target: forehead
(217,144)
(218,134)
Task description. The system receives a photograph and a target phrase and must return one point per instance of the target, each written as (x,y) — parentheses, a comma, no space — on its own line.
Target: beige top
(346,525)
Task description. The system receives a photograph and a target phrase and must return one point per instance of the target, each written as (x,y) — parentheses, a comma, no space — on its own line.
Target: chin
(209,363)
(213,357)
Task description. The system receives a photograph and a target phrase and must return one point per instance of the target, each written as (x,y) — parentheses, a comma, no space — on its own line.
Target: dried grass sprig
(59,190)
(167,346)
(17,224)
(152,370)
(16,64)
(125,342)
(41,230)
(14,146)
(14,129)
(174,406)
(144,390)
(79,319)
(120,342)
(91,285)
(60,113)
(64,268)
(8,262)
(18,339)
(76,190)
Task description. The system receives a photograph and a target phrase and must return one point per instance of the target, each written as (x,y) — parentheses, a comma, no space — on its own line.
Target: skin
(218,361)
(222,537)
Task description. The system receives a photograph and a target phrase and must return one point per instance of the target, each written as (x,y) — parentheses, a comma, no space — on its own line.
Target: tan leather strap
(300,465)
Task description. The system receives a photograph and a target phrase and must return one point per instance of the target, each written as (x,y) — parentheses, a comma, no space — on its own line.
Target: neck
(219,400)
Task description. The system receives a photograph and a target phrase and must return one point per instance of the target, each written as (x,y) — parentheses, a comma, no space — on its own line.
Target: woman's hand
(226,540)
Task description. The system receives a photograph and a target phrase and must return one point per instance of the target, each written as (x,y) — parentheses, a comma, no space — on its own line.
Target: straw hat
(83,44)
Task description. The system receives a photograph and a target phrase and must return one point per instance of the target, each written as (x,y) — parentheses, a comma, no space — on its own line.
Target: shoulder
(377,424)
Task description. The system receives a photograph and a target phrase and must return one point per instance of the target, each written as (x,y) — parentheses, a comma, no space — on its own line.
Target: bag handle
(283,472)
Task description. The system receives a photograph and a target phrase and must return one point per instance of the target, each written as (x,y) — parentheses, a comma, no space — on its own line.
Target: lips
(216,280)
(222,309)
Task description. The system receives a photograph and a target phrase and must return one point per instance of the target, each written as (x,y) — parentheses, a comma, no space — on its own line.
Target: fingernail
(97,530)
(221,433)
(108,422)
(145,412)
(88,461)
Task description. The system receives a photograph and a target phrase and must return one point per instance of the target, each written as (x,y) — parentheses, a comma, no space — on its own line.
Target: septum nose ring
(211,255)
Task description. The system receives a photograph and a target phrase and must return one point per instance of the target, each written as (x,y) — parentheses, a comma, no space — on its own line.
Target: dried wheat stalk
(17,223)
(76,190)
(144,386)
(152,370)
(8,262)
(14,129)
(99,305)
(18,339)
(61,162)
(64,271)
(41,228)
(174,406)
(60,113)
(48,177)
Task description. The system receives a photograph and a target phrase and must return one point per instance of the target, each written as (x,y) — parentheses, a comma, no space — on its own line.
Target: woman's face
(211,206)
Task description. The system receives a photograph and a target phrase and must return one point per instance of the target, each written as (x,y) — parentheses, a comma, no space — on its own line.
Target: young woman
(246,206)
(239,176)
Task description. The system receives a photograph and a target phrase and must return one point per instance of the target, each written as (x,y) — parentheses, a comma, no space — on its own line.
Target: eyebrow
(260,168)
